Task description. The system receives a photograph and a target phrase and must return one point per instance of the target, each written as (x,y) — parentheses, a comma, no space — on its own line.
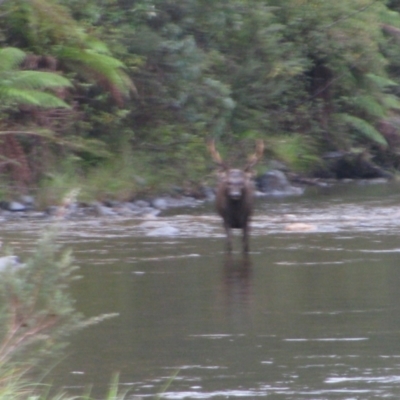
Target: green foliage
(37,312)
(115,179)
(46,27)
(296,151)
(369,105)
(11,58)
(104,69)
(27,87)
(321,76)
(37,315)
(16,386)
(363,127)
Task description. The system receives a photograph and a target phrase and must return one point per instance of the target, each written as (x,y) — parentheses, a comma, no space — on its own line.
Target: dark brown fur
(234,197)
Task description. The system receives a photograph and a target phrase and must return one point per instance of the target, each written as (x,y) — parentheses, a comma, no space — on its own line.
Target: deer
(235,194)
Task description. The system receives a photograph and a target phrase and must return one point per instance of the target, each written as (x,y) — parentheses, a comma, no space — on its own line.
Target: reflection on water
(237,285)
(309,314)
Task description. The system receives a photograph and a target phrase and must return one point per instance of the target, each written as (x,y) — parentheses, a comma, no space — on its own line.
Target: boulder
(351,165)
(16,206)
(102,210)
(160,202)
(141,204)
(275,183)
(28,201)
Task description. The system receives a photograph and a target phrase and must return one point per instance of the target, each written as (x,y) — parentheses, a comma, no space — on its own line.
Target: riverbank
(274,184)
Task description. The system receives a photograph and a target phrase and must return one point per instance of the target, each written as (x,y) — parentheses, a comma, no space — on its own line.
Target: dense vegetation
(119,96)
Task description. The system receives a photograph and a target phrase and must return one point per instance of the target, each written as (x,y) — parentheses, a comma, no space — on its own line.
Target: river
(313,313)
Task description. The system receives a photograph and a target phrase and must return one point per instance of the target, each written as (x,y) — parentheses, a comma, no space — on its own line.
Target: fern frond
(106,70)
(92,146)
(48,100)
(38,80)
(96,45)
(391,101)
(31,97)
(380,81)
(369,105)
(363,127)
(10,58)
(89,57)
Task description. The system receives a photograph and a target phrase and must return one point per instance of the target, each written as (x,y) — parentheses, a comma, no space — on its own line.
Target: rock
(15,206)
(124,209)
(374,181)
(141,203)
(143,208)
(103,211)
(184,201)
(351,165)
(208,193)
(29,201)
(275,183)
(51,210)
(149,212)
(166,230)
(10,262)
(111,203)
(162,203)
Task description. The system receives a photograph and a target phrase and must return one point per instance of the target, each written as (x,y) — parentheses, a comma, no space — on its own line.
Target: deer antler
(214,153)
(254,158)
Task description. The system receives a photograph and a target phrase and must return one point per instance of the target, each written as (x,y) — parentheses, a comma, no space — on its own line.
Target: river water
(313,313)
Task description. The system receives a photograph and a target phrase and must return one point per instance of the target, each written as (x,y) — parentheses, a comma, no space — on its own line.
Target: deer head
(236,180)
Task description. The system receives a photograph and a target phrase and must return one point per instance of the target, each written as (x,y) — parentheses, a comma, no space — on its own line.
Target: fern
(369,105)
(39,80)
(10,57)
(380,81)
(27,87)
(92,146)
(48,27)
(391,101)
(30,97)
(296,150)
(103,68)
(363,127)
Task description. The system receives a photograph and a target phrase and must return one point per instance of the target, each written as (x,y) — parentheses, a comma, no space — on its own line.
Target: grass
(14,386)
(120,179)
(108,181)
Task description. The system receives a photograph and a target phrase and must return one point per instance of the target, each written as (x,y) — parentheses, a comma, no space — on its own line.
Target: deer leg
(228,238)
(246,239)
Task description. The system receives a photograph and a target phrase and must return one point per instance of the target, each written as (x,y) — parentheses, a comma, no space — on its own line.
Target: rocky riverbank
(274,183)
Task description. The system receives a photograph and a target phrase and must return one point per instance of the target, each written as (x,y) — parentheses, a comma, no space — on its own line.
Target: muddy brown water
(313,313)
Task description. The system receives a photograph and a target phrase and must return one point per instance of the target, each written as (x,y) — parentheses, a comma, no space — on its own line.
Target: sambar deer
(235,193)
